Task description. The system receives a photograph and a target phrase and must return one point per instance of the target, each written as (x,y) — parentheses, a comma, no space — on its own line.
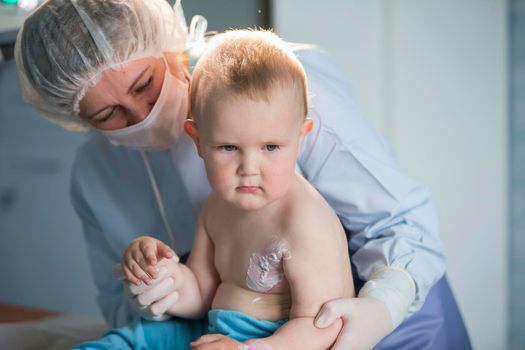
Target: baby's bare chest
(252,258)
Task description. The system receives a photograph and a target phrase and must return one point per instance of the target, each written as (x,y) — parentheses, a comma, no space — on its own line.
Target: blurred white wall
(431,75)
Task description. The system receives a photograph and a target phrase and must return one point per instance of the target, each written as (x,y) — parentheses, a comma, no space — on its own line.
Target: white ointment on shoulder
(266,267)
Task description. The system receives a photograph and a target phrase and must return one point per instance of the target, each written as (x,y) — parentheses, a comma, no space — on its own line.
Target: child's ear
(191,129)
(308,125)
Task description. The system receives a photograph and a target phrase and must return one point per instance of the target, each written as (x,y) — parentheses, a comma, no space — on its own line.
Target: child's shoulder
(308,211)
(305,198)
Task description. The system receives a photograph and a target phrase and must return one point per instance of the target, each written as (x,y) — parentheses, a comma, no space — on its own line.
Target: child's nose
(249,165)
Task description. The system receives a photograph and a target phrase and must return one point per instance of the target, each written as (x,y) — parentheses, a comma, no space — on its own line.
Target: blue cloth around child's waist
(240,326)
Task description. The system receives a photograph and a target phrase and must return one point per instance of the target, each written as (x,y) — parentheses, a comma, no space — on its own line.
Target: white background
(431,75)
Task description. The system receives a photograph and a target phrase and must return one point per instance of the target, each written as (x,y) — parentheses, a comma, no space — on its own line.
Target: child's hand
(216,342)
(140,258)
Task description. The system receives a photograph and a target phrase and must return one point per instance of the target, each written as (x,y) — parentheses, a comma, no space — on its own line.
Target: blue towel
(240,326)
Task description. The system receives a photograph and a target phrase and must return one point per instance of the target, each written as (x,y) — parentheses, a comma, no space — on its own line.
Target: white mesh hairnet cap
(65,44)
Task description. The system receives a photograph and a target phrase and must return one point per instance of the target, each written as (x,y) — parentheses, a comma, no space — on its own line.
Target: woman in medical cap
(120,69)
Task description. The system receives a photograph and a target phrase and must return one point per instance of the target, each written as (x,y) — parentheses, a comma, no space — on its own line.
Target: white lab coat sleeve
(389,217)
(102,258)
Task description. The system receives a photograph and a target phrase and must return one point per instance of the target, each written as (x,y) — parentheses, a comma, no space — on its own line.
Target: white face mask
(163,125)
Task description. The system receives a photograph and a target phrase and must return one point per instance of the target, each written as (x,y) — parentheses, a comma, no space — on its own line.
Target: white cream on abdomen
(266,267)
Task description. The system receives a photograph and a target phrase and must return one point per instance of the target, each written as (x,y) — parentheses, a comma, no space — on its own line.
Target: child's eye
(228,148)
(271,148)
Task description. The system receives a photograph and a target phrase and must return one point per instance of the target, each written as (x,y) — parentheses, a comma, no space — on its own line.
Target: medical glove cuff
(393,286)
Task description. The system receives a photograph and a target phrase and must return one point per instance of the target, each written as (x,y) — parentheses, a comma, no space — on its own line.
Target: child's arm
(298,334)
(193,285)
(200,277)
(317,272)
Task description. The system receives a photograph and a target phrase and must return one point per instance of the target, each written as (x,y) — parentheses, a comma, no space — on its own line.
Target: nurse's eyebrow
(132,86)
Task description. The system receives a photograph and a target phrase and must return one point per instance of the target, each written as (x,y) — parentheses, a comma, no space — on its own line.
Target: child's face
(250,147)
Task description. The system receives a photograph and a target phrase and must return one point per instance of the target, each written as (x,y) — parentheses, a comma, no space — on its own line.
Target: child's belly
(271,306)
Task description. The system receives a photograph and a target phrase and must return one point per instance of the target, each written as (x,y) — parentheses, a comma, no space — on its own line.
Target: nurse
(120,69)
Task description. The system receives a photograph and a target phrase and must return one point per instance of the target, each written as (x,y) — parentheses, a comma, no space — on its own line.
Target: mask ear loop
(158,199)
(154,185)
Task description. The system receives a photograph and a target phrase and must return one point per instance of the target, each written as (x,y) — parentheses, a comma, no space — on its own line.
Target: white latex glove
(365,322)
(152,301)
(382,305)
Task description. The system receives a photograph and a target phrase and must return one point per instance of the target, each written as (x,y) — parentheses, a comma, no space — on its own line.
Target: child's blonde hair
(246,63)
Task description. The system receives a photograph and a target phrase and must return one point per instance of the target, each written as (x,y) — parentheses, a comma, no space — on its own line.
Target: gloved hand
(151,301)
(382,305)
(365,322)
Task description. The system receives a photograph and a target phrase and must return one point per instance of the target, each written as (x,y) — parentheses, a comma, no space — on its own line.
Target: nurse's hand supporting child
(149,262)
(150,266)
